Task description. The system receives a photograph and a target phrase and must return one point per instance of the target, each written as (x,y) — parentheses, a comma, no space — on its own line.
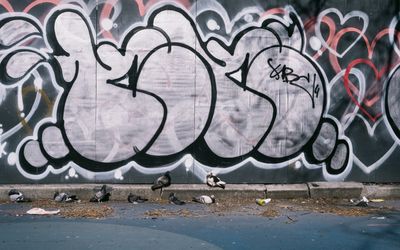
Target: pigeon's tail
(195,199)
(130,199)
(25,200)
(73,197)
(13,192)
(156,186)
(106,197)
(93,199)
(221,184)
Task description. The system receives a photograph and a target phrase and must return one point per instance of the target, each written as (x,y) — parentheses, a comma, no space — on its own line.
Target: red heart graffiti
(351,88)
(378,76)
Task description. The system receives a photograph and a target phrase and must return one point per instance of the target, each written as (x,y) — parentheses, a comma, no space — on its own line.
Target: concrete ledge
(121,191)
(335,189)
(33,191)
(287,191)
(232,191)
(381,191)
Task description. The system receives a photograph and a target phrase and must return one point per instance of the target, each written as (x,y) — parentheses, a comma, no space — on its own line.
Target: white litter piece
(41,211)
(379,218)
(377,200)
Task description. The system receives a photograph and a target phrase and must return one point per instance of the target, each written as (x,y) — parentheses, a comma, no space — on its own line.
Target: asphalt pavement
(283,224)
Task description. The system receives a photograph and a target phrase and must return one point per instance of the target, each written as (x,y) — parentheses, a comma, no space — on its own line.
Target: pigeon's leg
(161,191)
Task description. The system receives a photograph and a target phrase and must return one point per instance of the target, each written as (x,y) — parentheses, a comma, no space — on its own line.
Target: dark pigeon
(162,182)
(17,196)
(101,195)
(135,199)
(64,197)
(204,199)
(174,200)
(213,181)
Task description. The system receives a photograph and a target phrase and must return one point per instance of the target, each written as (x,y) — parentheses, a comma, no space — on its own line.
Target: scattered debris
(270,213)
(378,217)
(333,206)
(263,202)
(156,213)
(377,200)
(41,211)
(86,211)
(83,209)
(225,206)
(291,220)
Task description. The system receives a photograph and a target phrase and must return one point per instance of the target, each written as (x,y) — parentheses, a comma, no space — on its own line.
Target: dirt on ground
(341,207)
(162,208)
(276,208)
(68,210)
(155,213)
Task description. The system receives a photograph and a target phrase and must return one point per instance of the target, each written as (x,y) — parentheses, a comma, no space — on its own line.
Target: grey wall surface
(255,91)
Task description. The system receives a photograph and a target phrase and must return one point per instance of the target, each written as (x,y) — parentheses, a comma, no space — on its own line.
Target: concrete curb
(335,189)
(287,191)
(232,191)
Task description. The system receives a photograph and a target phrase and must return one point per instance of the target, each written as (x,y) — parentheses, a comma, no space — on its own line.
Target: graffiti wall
(254,91)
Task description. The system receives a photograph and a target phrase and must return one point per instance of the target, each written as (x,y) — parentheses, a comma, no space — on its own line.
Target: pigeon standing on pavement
(214,181)
(174,200)
(204,199)
(17,196)
(135,199)
(162,182)
(101,195)
(64,197)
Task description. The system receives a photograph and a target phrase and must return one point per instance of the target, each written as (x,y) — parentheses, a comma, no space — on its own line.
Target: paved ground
(239,224)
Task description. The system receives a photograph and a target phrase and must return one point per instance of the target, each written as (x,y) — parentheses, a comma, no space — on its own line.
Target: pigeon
(161,182)
(360,203)
(174,200)
(101,195)
(64,197)
(135,199)
(214,181)
(204,199)
(17,196)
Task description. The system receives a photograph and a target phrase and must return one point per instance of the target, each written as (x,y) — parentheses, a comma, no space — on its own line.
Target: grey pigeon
(174,200)
(17,196)
(204,199)
(213,181)
(101,195)
(162,182)
(64,197)
(135,199)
